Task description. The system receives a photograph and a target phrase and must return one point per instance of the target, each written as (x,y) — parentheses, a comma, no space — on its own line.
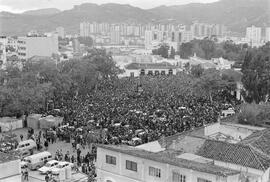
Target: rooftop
(244,155)
(212,142)
(135,66)
(259,140)
(170,158)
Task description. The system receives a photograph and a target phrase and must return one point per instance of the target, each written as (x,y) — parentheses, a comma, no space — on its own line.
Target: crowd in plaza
(144,109)
(129,111)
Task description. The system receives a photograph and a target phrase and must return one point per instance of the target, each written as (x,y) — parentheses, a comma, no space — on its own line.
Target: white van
(27,145)
(38,160)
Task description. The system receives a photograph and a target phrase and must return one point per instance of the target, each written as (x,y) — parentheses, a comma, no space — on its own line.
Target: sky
(18,6)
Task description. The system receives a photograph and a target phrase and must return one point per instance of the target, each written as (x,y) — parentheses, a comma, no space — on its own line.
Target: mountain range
(235,14)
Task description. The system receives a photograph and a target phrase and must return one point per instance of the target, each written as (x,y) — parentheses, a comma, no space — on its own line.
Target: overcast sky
(22,5)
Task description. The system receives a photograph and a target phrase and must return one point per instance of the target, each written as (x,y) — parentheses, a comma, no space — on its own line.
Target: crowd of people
(154,106)
(130,111)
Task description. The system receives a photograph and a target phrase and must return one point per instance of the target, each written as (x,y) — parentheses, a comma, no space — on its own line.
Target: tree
(256,74)
(210,82)
(208,47)
(163,51)
(172,53)
(87,41)
(196,70)
(186,50)
(23,92)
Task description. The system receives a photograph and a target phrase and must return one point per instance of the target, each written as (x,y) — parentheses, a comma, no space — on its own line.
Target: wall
(263,176)
(212,129)
(38,46)
(128,72)
(41,46)
(119,173)
(11,168)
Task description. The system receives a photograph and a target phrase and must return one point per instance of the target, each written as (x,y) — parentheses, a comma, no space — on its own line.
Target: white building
(115,37)
(10,168)
(148,38)
(60,31)
(37,46)
(267,34)
(140,69)
(3,53)
(254,35)
(220,152)
(85,29)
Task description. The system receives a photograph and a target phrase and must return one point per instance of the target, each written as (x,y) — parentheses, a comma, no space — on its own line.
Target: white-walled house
(140,69)
(127,164)
(10,168)
(220,152)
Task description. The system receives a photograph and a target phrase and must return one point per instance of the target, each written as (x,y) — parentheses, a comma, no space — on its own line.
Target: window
(154,172)
(170,72)
(156,73)
(203,180)
(110,160)
(142,72)
(131,165)
(178,177)
(132,74)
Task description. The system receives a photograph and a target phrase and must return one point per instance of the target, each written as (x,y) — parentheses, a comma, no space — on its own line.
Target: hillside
(42,12)
(235,14)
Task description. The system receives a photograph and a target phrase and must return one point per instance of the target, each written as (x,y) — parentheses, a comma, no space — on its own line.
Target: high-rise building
(3,54)
(253,34)
(76,45)
(37,46)
(85,29)
(148,38)
(115,37)
(267,34)
(60,31)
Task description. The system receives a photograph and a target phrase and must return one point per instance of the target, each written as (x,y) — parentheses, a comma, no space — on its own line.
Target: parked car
(61,165)
(48,166)
(38,160)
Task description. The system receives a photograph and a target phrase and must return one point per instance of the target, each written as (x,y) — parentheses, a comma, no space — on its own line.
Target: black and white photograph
(134,90)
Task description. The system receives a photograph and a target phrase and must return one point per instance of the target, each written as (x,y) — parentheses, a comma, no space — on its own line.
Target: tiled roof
(259,140)
(172,160)
(135,66)
(244,155)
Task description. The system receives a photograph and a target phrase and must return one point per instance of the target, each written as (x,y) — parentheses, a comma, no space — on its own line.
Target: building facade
(61,32)
(3,53)
(219,152)
(37,46)
(151,69)
(10,168)
(124,164)
(115,37)
(254,35)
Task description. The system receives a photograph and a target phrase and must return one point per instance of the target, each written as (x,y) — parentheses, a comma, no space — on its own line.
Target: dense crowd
(143,109)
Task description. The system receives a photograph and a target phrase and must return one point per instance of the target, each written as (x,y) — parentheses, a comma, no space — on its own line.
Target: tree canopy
(256,74)
(208,49)
(31,88)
